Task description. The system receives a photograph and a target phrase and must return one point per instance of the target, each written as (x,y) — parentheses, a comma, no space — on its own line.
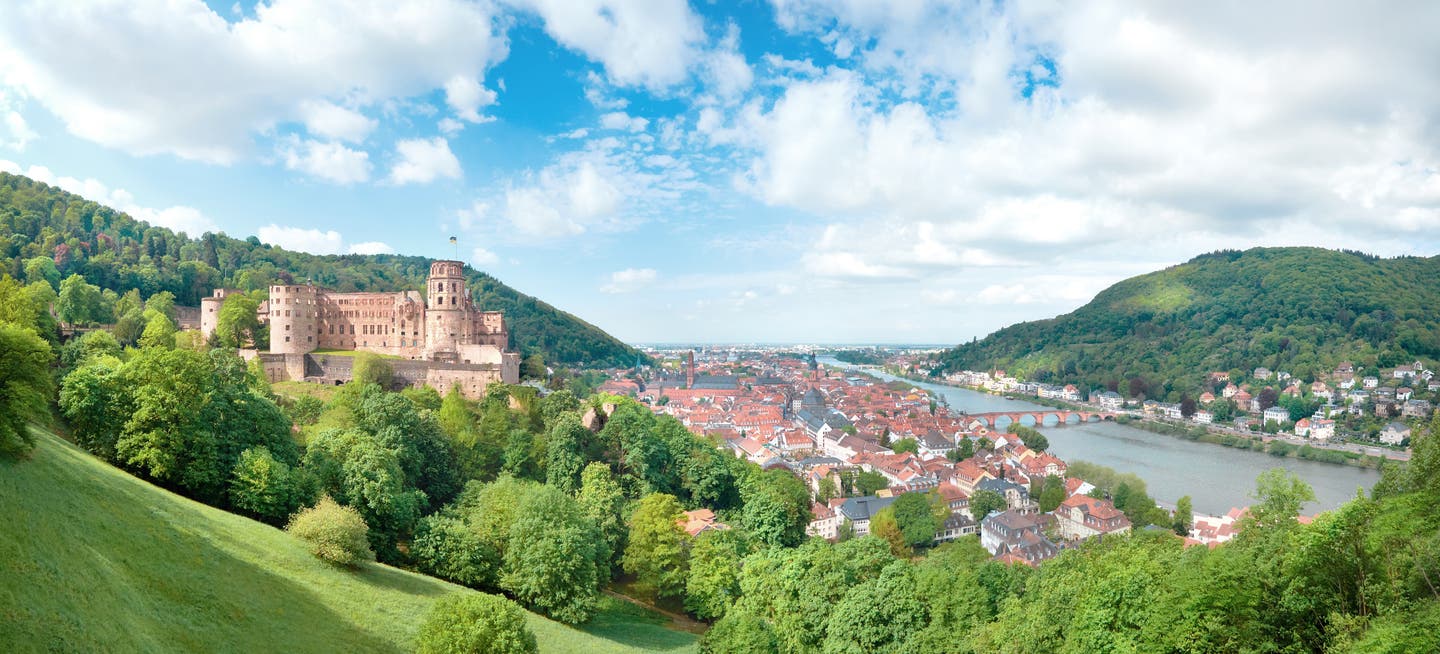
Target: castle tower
(446,302)
(294,316)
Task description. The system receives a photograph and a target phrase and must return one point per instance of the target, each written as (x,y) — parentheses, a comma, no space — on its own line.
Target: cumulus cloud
(651,43)
(371,247)
(336,122)
(629,280)
(468,97)
(210,85)
(179,218)
(422,161)
(967,136)
(301,239)
(328,161)
(483,257)
(620,120)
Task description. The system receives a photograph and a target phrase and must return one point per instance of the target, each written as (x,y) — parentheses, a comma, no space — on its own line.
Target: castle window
(287,328)
(452,299)
(287,339)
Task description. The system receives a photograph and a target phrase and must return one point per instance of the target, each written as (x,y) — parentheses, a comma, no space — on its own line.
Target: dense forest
(49,234)
(1301,310)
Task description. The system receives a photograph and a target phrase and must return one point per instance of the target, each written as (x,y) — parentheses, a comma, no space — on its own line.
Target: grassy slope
(93,559)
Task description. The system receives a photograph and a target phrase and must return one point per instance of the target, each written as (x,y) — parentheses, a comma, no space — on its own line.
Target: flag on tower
(452,240)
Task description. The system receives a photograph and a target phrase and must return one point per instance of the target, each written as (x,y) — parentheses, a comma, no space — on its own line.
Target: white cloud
(423,161)
(467,97)
(965,137)
(726,69)
(331,162)
(336,122)
(179,218)
(623,121)
(629,280)
(208,85)
(315,241)
(450,126)
(300,239)
(483,257)
(371,247)
(15,132)
(649,43)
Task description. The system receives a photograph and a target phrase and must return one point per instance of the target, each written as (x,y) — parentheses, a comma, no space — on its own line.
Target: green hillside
(95,560)
(117,252)
(1302,310)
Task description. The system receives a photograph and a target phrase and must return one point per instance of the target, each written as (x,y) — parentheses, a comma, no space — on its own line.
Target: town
(860,444)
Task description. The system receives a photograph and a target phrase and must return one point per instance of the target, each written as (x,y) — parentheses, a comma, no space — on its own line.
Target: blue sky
(795,170)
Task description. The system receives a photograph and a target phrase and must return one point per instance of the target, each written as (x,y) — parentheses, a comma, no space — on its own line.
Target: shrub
(336,533)
(475,623)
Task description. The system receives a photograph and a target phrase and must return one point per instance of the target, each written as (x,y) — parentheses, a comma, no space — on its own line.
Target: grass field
(95,560)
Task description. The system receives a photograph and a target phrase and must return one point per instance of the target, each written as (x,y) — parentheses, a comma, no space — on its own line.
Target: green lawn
(95,560)
(295,389)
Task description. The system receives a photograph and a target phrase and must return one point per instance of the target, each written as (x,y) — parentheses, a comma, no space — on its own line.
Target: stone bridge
(1062,417)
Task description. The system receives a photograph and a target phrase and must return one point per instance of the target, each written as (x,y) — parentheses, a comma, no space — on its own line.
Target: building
(1081,516)
(859,510)
(1277,414)
(1017,536)
(699,521)
(824,522)
(456,342)
(1322,429)
(1394,433)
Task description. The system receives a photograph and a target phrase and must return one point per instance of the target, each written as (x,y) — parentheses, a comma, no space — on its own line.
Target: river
(1215,477)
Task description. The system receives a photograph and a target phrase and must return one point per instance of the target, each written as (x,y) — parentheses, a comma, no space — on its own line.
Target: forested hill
(1301,310)
(117,252)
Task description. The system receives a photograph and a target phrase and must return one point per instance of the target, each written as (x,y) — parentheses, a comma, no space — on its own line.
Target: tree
(713,583)
(1280,496)
(563,561)
(656,552)
(162,303)
(827,490)
(533,367)
(1052,493)
(869,481)
(266,488)
(565,459)
(916,519)
(776,507)
(885,527)
(335,533)
(740,633)
(42,269)
(475,623)
(966,449)
(603,502)
(905,445)
(25,386)
(237,325)
(1184,516)
(985,501)
(80,303)
(447,548)
(1187,406)
(159,332)
(878,616)
(371,368)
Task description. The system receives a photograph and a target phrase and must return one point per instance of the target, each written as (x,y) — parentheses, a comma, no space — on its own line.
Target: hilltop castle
(445,337)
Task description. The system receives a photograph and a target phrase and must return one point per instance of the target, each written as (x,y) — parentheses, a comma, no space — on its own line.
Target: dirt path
(679,621)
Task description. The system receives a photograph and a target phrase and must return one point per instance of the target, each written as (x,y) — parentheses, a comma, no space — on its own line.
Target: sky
(743,171)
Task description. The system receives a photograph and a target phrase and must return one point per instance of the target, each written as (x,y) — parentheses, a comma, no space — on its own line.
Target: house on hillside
(1322,429)
(1278,414)
(1394,433)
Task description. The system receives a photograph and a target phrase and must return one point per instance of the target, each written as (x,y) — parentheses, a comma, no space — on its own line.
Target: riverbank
(1273,447)
(1333,454)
